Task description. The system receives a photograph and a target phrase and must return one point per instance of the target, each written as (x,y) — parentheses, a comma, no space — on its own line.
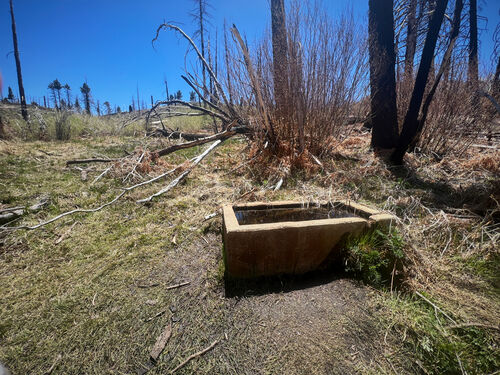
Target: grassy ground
(88,294)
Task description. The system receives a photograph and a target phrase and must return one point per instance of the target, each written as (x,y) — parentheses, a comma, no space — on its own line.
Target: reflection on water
(276,215)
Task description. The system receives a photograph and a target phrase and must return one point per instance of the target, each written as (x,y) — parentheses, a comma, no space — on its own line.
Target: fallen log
(157,132)
(222,136)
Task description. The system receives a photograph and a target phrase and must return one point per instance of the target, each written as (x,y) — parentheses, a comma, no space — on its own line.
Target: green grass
(374,256)
(80,298)
(426,337)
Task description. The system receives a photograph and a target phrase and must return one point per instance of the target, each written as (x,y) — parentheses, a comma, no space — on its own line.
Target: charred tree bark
(496,81)
(22,97)
(202,42)
(280,54)
(410,124)
(411,39)
(382,74)
(457,14)
(473,71)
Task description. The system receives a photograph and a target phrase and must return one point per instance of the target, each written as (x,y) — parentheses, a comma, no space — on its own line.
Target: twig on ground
(210,216)
(177,285)
(160,313)
(65,234)
(49,371)
(94,160)
(101,175)
(135,167)
(193,356)
(148,286)
(436,307)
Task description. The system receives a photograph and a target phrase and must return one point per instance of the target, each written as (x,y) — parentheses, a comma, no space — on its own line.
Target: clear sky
(108,42)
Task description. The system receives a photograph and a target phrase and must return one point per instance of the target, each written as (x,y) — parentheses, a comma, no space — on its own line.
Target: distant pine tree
(77,105)
(85,90)
(10,95)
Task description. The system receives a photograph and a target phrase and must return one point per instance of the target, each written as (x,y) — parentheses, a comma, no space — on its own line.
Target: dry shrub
(490,162)
(326,73)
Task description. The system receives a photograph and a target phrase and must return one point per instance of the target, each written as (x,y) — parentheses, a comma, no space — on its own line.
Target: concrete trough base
(290,247)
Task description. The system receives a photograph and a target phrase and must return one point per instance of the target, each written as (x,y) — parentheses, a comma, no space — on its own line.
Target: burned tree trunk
(382,74)
(472,72)
(22,97)
(457,14)
(411,40)
(280,54)
(410,124)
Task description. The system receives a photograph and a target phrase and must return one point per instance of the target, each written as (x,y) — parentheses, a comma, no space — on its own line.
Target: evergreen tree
(178,95)
(77,105)
(118,110)
(10,96)
(192,96)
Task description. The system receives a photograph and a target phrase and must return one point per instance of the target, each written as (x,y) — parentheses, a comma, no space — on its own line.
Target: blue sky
(108,42)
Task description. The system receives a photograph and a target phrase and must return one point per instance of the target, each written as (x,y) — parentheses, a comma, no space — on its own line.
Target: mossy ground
(91,289)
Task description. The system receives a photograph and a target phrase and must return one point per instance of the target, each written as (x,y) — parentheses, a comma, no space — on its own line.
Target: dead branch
(177,285)
(78,210)
(183,175)
(175,134)
(189,105)
(222,136)
(135,167)
(161,341)
(9,214)
(435,306)
(101,175)
(253,78)
(208,102)
(93,160)
(159,313)
(218,86)
(193,356)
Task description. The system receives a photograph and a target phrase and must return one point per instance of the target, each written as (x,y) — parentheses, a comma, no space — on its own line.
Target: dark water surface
(277,215)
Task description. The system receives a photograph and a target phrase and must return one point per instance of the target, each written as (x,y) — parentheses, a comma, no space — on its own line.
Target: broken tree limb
(101,175)
(222,136)
(9,214)
(217,86)
(189,105)
(175,134)
(161,341)
(183,175)
(135,167)
(93,160)
(208,102)
(78,210)
(193,356)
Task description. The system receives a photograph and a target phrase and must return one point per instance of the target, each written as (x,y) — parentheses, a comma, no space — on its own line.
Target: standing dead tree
(22,96)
